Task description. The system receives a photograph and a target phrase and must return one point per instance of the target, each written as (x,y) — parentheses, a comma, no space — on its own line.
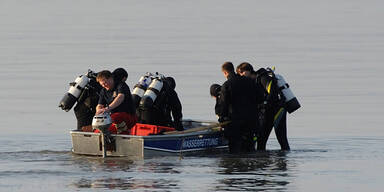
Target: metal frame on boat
(199,136)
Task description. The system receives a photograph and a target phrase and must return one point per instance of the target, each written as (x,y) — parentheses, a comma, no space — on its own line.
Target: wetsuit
(238,103)
(271,113)
(174,107)
(86,105)
(280,128)
(166,107)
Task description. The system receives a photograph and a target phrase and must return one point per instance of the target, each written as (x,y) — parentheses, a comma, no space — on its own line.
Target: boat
(198,137)
(143,140)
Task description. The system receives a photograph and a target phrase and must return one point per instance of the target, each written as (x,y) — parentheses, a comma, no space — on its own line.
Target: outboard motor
(102,122)
(291,102)
(140,88)
(74,92)
(152,92)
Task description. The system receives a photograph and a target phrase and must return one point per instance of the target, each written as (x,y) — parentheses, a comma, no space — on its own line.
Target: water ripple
(128,183)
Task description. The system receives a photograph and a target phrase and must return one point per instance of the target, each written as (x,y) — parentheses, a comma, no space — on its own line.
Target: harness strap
(269,87)
(277,118)
(157,92)
(140,86)
(79,88)
(285,86)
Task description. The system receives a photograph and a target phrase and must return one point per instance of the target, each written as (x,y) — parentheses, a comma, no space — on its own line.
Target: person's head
(105,79)
(244,69)
(120,74)
(238,69)
(214,90)
(227,68)
(171,82)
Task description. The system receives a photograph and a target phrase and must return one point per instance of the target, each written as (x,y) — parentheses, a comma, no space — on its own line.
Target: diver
(214,90)
(238,101)
(84,90)
(160,104)
(278,99)
(85,108)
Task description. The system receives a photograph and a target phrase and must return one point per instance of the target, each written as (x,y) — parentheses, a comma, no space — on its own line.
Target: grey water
(330,52)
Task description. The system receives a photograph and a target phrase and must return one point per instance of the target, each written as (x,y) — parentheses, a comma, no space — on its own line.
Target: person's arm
(224,98)
(116,102)
(176,109)
(100,104)
(217,106)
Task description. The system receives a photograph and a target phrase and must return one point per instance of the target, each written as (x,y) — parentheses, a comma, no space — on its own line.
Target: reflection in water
(126,183)
(263,171)
(97,164)
(123,174)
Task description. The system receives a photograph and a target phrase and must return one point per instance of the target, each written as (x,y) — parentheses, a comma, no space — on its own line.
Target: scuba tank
(74,92)
(140,88)
(85,107)
(152,91)
(291,103)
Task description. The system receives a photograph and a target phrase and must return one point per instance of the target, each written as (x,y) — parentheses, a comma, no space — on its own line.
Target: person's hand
(103,110)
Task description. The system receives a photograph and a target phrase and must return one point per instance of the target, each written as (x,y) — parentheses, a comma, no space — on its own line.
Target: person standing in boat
(115,97)
(270,114)
(238,100)
(166,107)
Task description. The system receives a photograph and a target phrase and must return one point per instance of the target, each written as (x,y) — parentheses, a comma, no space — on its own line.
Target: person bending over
(270,112)
(166,107)
(115,97)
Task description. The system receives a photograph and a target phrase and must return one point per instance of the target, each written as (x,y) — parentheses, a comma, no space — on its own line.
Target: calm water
(331,53)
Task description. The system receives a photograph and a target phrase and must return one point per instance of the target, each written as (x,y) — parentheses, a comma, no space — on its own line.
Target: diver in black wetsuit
(166,110)
(238,101)
(272,114)
(214,90)
(85,108)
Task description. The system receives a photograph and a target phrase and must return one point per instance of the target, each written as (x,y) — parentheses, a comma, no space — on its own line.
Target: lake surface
(330,52)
